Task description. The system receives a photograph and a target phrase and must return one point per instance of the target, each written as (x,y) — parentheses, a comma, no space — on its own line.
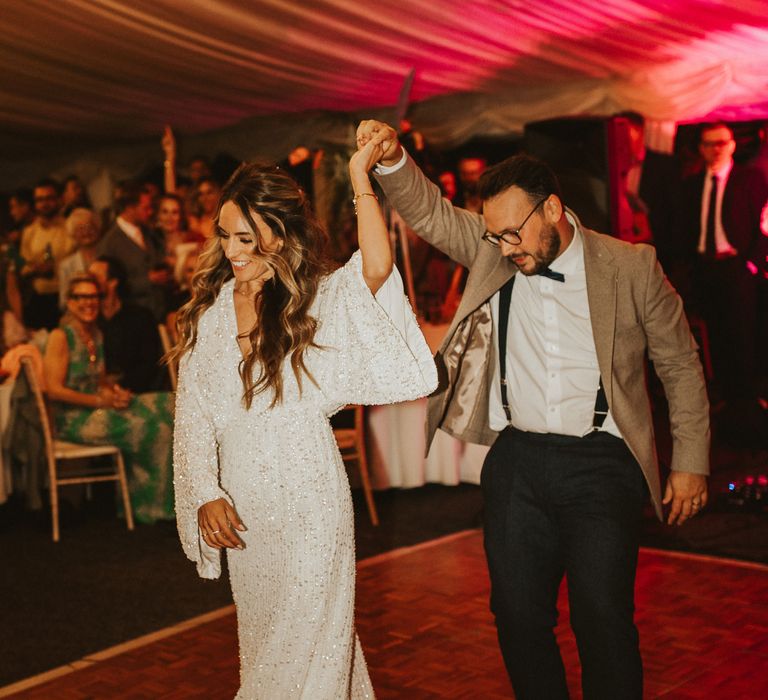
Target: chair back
(42,408)
(165,341)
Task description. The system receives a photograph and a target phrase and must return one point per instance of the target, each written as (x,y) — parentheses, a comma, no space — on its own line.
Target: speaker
(591,157)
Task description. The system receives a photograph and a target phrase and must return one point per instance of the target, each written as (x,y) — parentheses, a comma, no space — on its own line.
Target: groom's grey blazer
(633,310)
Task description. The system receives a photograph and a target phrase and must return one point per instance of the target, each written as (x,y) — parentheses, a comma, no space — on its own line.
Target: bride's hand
(392,151)
(218,521)
(368,155)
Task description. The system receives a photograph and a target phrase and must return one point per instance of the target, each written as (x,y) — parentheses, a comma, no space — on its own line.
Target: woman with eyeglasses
(271,344)
(91,409)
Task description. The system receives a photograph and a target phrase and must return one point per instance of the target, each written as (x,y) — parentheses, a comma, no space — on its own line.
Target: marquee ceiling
(105,71)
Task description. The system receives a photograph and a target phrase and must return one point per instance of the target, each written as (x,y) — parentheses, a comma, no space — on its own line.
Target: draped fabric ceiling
(82,75)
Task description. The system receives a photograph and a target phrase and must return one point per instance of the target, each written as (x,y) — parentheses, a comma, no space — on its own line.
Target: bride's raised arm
(372,234)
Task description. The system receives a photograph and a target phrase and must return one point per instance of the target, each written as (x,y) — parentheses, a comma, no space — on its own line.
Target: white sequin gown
(294,583)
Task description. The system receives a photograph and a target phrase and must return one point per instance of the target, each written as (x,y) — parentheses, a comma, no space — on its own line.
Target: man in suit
(720,229)
(564,406)
(653,192)
(139,250)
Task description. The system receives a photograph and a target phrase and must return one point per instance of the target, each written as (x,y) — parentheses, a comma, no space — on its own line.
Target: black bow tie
(557,276)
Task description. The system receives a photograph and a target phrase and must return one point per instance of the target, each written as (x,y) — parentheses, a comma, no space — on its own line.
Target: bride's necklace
(247,295)
(260,280)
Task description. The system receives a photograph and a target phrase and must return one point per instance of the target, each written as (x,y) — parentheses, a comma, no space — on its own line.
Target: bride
(271,344)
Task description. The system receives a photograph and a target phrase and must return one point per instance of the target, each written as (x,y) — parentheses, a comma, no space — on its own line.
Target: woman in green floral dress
(90,409)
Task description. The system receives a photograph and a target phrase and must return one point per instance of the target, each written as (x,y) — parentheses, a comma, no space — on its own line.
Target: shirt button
(551,409)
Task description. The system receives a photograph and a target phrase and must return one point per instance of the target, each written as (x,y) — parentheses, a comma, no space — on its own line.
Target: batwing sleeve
(195,465)
(374,352)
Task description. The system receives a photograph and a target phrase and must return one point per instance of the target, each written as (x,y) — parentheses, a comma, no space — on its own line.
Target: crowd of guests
(91,291)
(97,285)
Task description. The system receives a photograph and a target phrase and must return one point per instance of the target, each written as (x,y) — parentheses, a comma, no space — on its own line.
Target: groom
(545,361)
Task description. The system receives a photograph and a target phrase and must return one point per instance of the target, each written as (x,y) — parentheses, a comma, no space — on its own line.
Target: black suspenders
(505,300)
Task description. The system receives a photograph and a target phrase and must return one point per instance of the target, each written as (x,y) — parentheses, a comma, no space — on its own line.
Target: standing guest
(141,253)
(271,345)
(132,348)
(84,227)
(73,196)
(760,160)
(44,243)
(208,193)
(652,189)
(172,225)
(446,180)
(545,361)
(93,410)
(21,207)
(720,210)
(470,168)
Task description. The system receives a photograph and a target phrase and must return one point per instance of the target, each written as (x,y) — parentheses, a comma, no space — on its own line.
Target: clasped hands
(114,396)
(218,521)
(385,148)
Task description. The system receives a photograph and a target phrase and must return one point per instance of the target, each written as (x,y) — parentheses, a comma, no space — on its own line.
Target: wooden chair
(351,442)
(165,341)
(59,451)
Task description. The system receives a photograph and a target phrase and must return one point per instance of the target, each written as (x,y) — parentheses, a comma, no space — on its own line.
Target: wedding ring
(213,532)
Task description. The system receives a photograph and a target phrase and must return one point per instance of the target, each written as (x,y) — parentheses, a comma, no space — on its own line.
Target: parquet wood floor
(428,635)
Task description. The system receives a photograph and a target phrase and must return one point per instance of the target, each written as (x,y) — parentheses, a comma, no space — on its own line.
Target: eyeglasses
(86,297)
(511,235)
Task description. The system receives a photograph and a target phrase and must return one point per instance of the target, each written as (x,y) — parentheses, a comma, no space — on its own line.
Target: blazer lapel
(602,278)
(487,274)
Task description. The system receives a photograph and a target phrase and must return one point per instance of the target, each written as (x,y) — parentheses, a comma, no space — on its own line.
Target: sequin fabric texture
(294,582)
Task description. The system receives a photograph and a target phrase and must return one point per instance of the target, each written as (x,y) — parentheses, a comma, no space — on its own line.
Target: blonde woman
(270,346)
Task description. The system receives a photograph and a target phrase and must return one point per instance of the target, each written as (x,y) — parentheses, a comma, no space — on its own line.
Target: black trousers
(557,505)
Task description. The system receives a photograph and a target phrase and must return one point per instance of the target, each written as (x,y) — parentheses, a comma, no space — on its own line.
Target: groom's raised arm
(457,232)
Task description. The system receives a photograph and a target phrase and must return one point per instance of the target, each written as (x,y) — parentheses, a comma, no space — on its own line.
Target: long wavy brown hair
(284,327)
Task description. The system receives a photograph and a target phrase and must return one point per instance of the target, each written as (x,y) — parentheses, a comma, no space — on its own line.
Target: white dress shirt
(722,244)
(552,370)
(132,231)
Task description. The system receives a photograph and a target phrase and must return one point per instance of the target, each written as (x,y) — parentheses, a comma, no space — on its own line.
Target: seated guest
(185,268)
(132,348)
(90,409)
(141,253)
(44,243)
(84,227)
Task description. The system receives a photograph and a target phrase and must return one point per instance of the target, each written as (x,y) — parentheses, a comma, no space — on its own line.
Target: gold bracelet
(362,194)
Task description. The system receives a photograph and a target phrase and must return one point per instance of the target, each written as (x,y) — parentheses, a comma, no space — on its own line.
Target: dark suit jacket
(133,350)
(743,200)
(137,263)
(660,190)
